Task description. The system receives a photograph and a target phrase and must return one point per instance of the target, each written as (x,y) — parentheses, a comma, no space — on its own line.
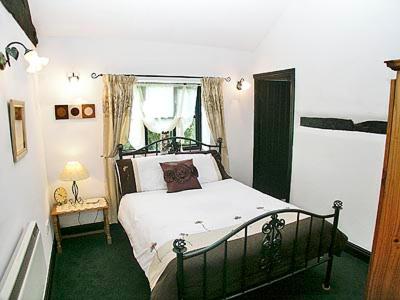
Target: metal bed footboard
(269,251)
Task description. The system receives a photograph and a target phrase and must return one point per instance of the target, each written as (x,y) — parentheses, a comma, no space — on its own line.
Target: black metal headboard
(170,145)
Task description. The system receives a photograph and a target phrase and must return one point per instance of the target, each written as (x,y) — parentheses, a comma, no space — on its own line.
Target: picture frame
(75,111)
(18,129)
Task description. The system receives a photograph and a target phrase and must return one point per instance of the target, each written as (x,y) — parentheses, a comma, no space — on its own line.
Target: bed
(221,241)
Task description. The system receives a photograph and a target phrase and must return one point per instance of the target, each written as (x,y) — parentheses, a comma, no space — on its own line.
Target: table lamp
(74,171)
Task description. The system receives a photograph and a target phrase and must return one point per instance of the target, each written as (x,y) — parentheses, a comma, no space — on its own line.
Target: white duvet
(154,218)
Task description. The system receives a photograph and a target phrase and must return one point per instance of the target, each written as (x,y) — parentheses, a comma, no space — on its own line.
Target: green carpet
(88,268)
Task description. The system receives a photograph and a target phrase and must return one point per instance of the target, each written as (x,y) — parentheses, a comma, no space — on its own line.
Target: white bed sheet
(153,218)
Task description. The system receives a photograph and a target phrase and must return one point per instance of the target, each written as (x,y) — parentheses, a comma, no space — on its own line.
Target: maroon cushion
(180,175)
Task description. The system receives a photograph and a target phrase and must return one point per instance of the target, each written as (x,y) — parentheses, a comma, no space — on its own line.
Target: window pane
(159,101)
(152,137)
(190,132)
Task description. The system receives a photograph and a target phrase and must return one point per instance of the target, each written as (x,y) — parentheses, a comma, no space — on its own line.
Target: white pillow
(148,173)
(205,164)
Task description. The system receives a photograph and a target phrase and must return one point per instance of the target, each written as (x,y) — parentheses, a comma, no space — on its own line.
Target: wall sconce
(36,63)
(73,77)
(242,85)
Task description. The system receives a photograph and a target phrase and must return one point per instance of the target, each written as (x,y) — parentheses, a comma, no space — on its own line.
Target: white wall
(82,139)
(23,185)
(338,49)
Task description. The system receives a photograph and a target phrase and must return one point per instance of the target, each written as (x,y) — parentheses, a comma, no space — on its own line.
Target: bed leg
(327,282)
(179,249)
(337,206)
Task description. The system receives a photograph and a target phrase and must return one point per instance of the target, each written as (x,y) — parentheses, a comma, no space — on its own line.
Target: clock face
(60,195)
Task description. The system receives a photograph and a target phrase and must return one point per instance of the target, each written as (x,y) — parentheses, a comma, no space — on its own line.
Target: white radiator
(26,274)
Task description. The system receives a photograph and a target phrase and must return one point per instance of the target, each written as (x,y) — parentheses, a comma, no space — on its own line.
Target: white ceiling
(235,24)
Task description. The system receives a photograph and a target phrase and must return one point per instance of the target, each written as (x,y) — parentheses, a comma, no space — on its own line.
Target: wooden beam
(19,9)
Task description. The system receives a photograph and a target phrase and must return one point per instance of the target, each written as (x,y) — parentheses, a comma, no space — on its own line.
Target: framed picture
(18,129)
(80,111)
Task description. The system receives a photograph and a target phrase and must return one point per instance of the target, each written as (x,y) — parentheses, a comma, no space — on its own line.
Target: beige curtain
(213,102)
(117,107)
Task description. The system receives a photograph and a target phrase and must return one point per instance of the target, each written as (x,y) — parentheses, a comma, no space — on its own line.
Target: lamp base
(75,192)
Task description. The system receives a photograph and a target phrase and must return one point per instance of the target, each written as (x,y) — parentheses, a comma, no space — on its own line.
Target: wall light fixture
(73,77)
(242,85)
(36,63)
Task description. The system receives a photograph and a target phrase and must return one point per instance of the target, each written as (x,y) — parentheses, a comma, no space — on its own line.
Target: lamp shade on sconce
(36,63)
(74,171)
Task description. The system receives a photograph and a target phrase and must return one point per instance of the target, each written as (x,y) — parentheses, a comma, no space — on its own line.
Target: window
(193,131)
(166,110)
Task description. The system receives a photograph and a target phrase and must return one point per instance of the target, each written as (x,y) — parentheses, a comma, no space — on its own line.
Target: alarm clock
(60,196)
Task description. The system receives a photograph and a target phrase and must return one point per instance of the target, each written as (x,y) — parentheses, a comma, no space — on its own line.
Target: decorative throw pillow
(180,175)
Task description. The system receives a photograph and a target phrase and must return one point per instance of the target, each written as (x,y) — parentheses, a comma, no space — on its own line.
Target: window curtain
(117,108)
(213,103)
(161,108)
(187,95)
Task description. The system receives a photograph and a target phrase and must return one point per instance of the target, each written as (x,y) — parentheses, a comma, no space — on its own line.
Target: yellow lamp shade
(74,171)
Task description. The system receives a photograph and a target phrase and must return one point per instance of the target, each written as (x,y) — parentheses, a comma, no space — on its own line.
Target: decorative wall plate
(88,111)
(61,112)
(81,111)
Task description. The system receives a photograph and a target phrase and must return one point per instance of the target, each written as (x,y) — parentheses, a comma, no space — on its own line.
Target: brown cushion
(180,175)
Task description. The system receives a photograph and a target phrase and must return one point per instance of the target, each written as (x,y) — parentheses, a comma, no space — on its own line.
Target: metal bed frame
(272,240)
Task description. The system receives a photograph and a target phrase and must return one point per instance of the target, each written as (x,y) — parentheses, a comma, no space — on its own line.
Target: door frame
(283,75)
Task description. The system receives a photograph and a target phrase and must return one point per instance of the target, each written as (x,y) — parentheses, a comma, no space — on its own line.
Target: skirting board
(358,252)
(50,271)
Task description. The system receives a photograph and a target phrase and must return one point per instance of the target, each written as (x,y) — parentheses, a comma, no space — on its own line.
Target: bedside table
(94,204)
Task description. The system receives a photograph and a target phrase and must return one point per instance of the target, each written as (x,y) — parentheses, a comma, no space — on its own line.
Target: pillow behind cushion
(217,158)
(148,176)
(180,175)
(205,165)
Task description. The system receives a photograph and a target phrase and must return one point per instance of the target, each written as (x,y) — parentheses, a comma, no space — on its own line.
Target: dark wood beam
(19,9)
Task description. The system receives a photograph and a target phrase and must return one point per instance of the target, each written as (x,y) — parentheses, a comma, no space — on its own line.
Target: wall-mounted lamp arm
(36,63)
(13,51)
(18,43)
(242,84)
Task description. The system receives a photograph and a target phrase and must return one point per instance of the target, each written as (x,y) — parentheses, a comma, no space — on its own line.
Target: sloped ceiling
(231,24)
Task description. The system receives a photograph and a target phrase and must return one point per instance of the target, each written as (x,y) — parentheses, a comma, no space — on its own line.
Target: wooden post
(384,270)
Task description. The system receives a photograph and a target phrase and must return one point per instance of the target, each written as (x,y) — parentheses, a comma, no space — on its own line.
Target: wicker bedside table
(87,205)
